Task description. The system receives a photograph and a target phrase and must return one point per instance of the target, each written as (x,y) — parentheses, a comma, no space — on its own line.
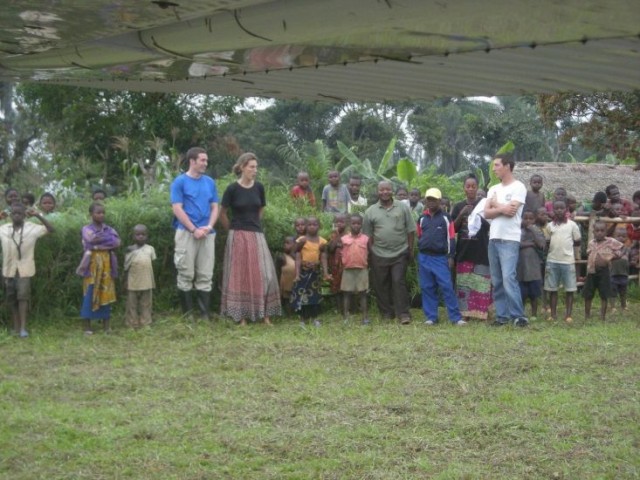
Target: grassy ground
(196,401)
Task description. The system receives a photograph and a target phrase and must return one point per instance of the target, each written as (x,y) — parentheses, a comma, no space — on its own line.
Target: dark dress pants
(388,278)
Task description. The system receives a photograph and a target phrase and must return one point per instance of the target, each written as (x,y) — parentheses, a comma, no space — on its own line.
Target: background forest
(71,140)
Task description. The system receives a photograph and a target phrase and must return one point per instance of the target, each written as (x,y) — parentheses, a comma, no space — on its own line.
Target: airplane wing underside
(332,50)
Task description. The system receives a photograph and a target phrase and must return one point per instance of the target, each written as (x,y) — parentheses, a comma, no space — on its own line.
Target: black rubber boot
(186,302)
(204,303)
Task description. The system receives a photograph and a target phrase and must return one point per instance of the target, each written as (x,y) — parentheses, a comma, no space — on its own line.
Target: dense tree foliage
(607,123)
(457,134)
(17,132)
(78,138)
(92,135)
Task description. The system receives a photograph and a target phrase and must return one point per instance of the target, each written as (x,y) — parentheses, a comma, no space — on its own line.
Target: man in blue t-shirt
(194,200)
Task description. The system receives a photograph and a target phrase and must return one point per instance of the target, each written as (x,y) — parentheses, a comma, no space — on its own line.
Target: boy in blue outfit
(436,242)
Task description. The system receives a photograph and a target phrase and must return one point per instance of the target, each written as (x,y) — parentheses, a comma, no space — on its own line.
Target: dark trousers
(387,277)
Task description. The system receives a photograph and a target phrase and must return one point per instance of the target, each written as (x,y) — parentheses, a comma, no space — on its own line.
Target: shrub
(57,290)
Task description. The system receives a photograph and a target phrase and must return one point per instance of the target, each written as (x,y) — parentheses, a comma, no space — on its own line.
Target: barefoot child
(334,256)
(357,203)
(601,251)
(285,263)
(445,205)
(559,195)
(18,240)
(335,195)
(139,279)
(561,261)
(98,268)
(355,276)
(28,200)
(416,206)
(535,198)
(11,196)
(542,222)
(572,206)
(47,203)
(402,194)
(310,256)
(300,226)
(98,195)
(529,273)
(302,189)
(619,269)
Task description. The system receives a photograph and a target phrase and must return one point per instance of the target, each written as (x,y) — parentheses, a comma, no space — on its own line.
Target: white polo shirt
(503,227)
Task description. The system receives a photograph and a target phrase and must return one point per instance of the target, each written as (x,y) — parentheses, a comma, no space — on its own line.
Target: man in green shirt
(391,230)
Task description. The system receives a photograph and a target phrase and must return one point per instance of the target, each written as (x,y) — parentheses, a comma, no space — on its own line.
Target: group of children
(98,266)
(551,246)
(336,196)
(309,259)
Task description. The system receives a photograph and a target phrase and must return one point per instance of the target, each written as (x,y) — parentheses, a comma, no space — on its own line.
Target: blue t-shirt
(196,196)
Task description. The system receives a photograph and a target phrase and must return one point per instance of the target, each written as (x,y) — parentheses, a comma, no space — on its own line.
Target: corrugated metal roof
(353,50)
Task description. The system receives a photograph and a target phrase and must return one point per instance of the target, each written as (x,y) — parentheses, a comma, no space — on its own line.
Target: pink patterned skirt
(473,288)
(250,288)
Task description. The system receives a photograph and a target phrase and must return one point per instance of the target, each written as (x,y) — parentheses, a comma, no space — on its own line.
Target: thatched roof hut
(581,180)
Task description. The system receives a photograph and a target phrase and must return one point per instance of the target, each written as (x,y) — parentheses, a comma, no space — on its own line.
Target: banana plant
(350,163)
(406,171)
(313,158)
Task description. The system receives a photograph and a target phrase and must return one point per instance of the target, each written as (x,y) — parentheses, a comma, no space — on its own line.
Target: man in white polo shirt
(504,206)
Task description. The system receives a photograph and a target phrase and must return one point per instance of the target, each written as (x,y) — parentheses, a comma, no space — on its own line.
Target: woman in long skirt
(473,279)
(250,288)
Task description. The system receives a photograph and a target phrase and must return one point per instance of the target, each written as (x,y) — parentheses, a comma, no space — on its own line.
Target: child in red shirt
(302,189)
(355,274)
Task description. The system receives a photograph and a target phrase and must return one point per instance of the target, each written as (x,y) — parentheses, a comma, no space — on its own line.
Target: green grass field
(212,400)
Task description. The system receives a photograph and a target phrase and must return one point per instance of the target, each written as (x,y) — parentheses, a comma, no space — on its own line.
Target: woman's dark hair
(471,176)
(242,162)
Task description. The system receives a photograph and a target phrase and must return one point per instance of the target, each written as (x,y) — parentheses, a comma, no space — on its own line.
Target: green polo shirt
(389,228)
